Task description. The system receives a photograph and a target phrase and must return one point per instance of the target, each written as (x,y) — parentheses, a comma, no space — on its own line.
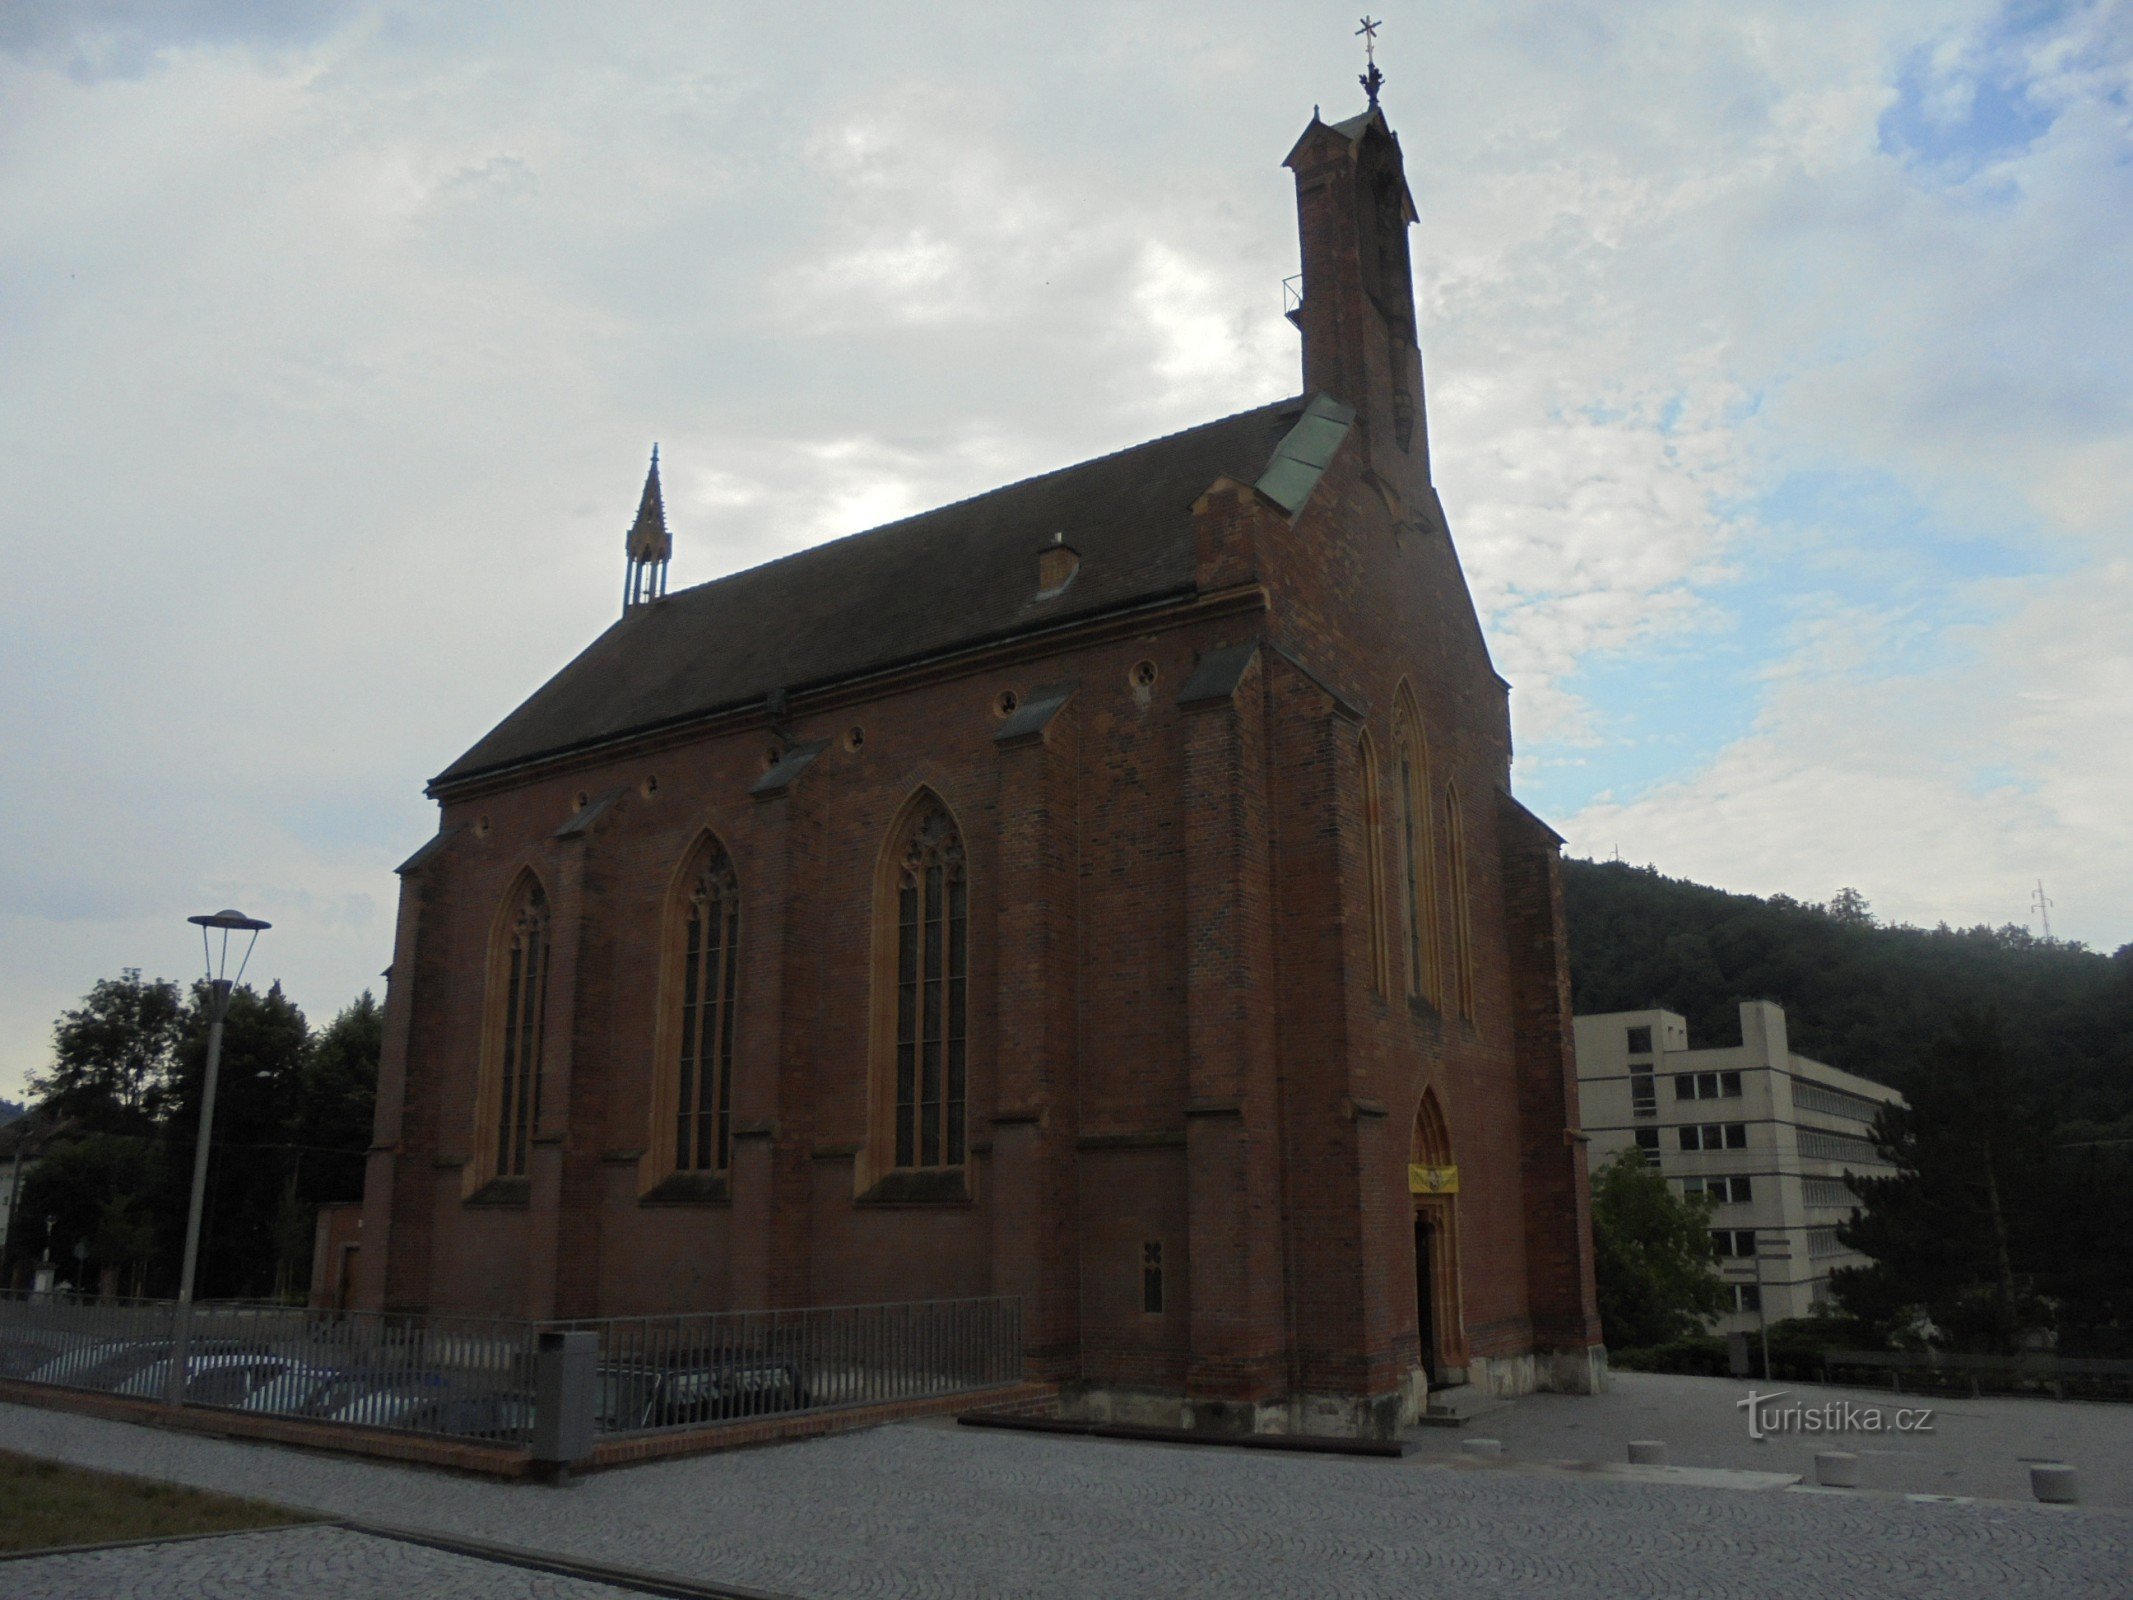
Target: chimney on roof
(1357,313)
(648,544)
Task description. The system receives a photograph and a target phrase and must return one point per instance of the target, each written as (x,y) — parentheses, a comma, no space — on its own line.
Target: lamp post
(219,987)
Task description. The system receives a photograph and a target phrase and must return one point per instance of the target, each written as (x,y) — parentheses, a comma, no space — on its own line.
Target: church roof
(946,579)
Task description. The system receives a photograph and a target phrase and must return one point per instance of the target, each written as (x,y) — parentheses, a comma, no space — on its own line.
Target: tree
(329,1130)
(86,1186)
(336,1100)
(265,1042)
(1848,908)
(1652,1255)
(1954,1231)
(112,1055)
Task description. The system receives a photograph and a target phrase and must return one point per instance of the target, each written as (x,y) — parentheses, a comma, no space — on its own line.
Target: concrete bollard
(1647,1452)
(2056,1484)
(1836,1469)
(1481,1447)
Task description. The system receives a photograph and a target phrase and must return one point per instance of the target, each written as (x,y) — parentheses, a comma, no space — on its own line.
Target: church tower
(648,544)
(1353,209)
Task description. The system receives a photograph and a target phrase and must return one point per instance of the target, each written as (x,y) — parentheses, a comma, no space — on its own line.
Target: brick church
(1106,891)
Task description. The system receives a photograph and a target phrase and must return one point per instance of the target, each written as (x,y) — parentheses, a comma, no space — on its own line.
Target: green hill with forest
(1868,997)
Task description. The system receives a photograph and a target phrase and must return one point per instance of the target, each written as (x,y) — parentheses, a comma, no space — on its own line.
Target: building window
(1418,886)
(1833,1102)
(1719,1191)
(1729,1085)
(1648,1142)
(1640,1041)
(1733,1244)
(708,995)
(1747,1297)
(1715,1136)
(1707,1086)
(1816,1145)
(1152,1278)
(511,1056)
(1462,906)
(932,976)
(1374,864)
(1643,1096)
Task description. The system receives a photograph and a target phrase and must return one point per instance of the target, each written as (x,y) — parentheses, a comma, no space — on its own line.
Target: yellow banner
(1432,1180)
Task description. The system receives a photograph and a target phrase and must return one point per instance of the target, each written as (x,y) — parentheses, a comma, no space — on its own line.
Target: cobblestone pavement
(923,1510)
(1976,1447)
(284,1563)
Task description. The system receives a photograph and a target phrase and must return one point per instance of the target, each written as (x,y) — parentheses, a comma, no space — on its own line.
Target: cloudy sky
(1778,360)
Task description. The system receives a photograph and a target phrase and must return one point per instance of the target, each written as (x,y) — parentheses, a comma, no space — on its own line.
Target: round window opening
(854,738)
(1005,705)
(1144,674)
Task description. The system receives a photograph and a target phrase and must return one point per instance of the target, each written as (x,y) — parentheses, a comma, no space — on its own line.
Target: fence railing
(478,1378)
(466,1377)
(657,1373)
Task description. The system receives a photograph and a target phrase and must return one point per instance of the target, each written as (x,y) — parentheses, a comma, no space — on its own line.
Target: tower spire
(1373,80)
(648,544)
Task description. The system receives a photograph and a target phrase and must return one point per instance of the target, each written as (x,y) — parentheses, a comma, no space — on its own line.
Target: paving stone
(927,1510)
(280,1563)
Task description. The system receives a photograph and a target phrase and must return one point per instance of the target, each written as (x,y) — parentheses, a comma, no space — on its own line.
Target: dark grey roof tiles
(947,578)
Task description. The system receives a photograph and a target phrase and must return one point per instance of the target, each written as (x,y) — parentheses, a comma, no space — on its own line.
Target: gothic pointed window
(518,985)
(1417,851)
(929,896)
(707,994)
(1374,862)
(1461,905)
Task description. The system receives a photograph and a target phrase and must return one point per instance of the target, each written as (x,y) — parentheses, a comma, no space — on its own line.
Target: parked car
(114,1362)
(211,1378)
(352,1395)
(24,1354)
(292,1391)
(478,1415)
(725,1385)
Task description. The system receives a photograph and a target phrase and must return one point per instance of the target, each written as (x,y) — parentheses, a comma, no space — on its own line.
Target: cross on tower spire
(1373,80)
(648,544)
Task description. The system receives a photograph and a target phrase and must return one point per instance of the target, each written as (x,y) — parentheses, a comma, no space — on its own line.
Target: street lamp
(219,987)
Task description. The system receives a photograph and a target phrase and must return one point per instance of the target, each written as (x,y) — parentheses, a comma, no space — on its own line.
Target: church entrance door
(1433,1184)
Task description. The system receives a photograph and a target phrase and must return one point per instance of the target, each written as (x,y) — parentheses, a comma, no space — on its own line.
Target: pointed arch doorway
(1433,1185)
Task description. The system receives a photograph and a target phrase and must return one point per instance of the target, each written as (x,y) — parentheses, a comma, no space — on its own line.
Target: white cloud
(1942,796)
(337,339)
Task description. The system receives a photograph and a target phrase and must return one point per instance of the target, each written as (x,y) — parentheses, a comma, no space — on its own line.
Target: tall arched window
(932,943)
(518,983)
(1374,861)
(1462,914)
(707,994)
(1418,879)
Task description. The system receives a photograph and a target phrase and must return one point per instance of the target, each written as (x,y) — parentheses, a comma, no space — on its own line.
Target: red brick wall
(1173,1035)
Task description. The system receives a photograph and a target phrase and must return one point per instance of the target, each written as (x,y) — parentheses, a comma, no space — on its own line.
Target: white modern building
(1766,1135)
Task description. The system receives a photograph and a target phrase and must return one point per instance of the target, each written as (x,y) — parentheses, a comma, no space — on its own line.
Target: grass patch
(43,1504)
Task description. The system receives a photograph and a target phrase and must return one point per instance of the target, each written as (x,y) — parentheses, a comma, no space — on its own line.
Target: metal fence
(477,1378)
(463,1377)
(658,1373)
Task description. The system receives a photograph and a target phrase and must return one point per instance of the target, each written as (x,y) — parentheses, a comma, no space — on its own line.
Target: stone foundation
(1326,1416)
(1582,1371)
